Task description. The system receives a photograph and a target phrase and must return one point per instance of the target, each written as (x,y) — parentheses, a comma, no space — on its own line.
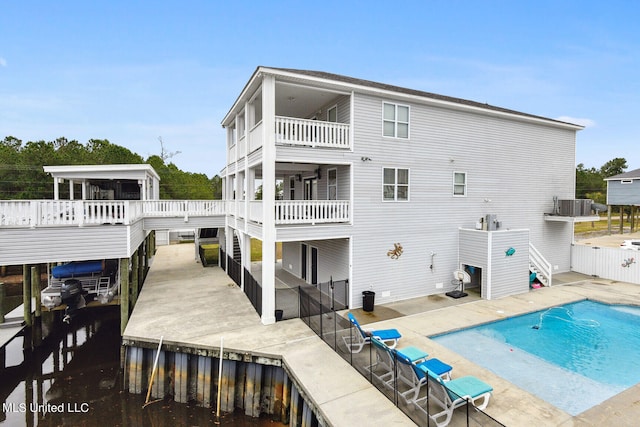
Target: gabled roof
(634,174)
(368,84)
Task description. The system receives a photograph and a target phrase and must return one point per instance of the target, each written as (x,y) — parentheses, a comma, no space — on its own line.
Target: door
(311,189)
(303,262)
(314,265)
(309,263)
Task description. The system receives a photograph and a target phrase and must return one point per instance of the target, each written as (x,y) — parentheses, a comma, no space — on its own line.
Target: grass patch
(256,250)
(602,225)
(211,253)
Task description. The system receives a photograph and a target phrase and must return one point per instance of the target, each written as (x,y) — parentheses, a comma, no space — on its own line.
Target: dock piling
(2,295)
(26,294)
(35,290)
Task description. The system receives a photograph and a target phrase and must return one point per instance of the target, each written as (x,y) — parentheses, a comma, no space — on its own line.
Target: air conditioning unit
(574,207)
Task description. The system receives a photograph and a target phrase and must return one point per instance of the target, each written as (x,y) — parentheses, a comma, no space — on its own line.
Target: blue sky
(133,71)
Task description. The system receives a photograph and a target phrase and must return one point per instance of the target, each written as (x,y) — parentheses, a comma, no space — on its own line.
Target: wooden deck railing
(38,213)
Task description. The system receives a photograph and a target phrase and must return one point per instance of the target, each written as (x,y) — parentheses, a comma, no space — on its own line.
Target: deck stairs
(539,265)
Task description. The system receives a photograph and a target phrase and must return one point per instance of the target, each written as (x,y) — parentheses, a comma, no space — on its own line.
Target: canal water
(73,378)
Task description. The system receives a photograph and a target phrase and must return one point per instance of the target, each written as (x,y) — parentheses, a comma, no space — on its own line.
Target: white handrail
(312,211)
(38,213)
(539,262)
(314,133)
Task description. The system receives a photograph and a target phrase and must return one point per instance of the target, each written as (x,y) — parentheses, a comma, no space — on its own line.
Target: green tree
(588,181)
(22,175)
(613,167)
(216,187)
(10,167)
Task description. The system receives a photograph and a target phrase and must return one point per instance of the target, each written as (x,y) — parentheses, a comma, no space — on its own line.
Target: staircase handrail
(540,262)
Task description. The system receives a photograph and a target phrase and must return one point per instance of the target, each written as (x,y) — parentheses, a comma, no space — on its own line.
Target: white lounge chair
(413,375)
(449,395)
(356,341)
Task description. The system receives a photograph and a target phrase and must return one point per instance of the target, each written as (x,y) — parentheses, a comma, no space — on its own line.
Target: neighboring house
(624,189)
(392,189)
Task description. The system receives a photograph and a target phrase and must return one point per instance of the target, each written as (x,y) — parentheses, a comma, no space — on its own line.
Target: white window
(332,184)
(626,181)
(332,114)
(395,120)
(240,127)
(231,135)
(459,183)
(395,184)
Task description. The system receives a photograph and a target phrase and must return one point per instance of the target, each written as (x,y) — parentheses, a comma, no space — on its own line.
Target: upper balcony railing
(304,211)
(38,213)
(312,211)
(312,133)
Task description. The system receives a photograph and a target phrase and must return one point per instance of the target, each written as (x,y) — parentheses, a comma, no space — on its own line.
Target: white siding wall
(344,183)
(333,258)
(509,274)
(514,169)
(59,244)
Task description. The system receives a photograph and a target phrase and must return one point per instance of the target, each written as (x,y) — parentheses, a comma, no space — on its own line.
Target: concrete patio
(193,306)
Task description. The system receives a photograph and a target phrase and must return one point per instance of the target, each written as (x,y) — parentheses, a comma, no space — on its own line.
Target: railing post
(79,212)
(127,211)
(33,215)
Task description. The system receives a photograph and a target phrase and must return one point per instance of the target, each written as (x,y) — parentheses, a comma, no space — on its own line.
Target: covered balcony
(306,194)
(305,116)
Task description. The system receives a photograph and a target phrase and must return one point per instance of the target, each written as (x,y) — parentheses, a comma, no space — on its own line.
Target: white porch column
(56,188)
(143,189)
(84,190)
(268,200)
(70,189)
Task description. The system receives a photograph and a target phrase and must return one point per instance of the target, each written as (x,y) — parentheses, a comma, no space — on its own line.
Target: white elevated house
(393,189)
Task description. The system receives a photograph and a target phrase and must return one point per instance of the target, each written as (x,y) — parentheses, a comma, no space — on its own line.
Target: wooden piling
(36,290)
(2,296)
(124,294)
(204,381)
(252,390)
(135,358)
(181,378)
(26,294)
(134,279)
(621,219)
(294,414)
(253,387)
(158,390)
(286,399)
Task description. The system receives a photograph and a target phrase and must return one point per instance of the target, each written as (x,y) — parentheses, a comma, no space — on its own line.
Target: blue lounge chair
(449,395)
(356,341)
(413,374)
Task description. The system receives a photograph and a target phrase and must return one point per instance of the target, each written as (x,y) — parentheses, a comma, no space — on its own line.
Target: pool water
(574,356)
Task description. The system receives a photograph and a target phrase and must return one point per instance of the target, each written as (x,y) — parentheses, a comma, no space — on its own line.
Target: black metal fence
(234,270)
(319,312)
(253,290)
(223,259)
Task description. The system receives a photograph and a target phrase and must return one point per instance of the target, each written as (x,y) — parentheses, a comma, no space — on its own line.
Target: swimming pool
(574,356)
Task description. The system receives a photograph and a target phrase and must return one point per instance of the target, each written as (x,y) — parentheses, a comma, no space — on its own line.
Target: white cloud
(3,62)
(587,123)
